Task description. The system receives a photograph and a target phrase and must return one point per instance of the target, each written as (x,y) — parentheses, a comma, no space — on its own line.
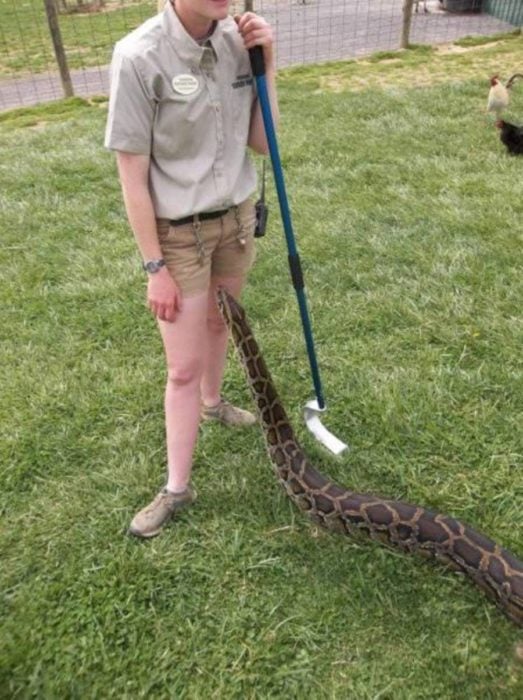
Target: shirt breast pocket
(180,124)
(183,109)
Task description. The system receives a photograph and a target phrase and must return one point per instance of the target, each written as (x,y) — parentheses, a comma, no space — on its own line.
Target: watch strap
(153,266)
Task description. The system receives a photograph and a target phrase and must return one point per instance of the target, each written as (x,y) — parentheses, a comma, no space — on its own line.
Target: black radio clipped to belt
(262,210)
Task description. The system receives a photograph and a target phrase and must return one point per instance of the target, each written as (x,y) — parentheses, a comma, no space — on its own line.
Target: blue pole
(258,67)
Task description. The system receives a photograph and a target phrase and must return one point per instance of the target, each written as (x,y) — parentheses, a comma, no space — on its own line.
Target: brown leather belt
(194,218)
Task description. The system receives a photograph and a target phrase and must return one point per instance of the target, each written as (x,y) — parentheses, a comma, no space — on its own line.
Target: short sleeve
(131,109)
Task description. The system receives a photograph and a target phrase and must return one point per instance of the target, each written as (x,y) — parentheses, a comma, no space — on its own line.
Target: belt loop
(239,233)
(196,226)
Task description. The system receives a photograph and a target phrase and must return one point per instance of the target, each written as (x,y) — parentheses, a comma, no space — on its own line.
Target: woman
(182,112)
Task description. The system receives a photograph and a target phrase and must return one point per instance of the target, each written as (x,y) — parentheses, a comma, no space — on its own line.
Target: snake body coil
(410,528)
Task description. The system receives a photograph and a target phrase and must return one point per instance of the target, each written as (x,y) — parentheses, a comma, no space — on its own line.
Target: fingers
(164,299)
(255,30)
(164,312)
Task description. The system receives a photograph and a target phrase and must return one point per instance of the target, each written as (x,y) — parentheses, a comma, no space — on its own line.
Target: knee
(184,375)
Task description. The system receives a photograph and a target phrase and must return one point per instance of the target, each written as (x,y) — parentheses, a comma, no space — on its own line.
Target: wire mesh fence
(307,31)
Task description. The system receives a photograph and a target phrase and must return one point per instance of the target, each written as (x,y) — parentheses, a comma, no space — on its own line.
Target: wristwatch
(152,266)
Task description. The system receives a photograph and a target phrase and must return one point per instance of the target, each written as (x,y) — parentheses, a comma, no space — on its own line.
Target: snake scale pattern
(410,528)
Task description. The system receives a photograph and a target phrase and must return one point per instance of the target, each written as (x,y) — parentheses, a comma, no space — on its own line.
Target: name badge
(185,84)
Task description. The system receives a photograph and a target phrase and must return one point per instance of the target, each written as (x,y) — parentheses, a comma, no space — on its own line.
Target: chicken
(511,136)
(498,97)
(512,80)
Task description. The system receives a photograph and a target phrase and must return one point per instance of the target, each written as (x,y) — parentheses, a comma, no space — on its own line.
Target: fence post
(248,5)
(54,29)
(160,5)
(407,21)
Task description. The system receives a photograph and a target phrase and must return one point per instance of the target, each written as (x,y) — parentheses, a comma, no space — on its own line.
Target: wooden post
(59,52)
(248,5)
(407,21)
(160,5)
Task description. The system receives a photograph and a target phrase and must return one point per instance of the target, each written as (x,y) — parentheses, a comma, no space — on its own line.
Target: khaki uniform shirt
(189,108)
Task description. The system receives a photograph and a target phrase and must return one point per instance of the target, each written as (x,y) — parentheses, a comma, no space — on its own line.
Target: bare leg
(216,355)
(185,343)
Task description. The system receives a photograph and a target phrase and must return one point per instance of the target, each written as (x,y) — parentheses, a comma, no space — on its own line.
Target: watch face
(153,265)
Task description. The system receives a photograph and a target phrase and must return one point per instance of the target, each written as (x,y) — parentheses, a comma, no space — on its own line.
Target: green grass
(46,113)
(472,41)
(408,216)
(416,66)
(88,38)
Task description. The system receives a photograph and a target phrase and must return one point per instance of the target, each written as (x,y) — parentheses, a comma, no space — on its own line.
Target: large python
(407,527)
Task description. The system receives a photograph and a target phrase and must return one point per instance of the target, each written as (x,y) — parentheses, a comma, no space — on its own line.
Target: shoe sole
(227,423)
(143,535)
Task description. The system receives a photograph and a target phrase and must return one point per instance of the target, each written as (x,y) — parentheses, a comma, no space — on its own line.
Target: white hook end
(312,413)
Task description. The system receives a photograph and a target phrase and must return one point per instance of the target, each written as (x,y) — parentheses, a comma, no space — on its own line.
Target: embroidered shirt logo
(242,81)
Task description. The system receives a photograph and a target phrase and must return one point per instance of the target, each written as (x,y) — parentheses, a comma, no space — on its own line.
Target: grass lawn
(88,38)
(408,214)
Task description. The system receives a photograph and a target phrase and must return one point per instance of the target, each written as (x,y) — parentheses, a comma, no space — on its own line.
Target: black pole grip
(296,271)
(257,61)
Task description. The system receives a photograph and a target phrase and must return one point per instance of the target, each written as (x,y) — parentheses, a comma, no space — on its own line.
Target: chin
(220,8)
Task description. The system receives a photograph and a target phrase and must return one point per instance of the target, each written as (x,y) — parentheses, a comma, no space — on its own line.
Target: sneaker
(228,414)
(150,520)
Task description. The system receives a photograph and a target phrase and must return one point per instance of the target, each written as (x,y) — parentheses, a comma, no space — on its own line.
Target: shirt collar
(185,46)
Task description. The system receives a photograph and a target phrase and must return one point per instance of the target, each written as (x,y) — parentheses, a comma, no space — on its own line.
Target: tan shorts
(222,247)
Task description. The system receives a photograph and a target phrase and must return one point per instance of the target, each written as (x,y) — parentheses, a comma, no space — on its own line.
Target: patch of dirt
(445,64)
(387,61)
(453,48)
